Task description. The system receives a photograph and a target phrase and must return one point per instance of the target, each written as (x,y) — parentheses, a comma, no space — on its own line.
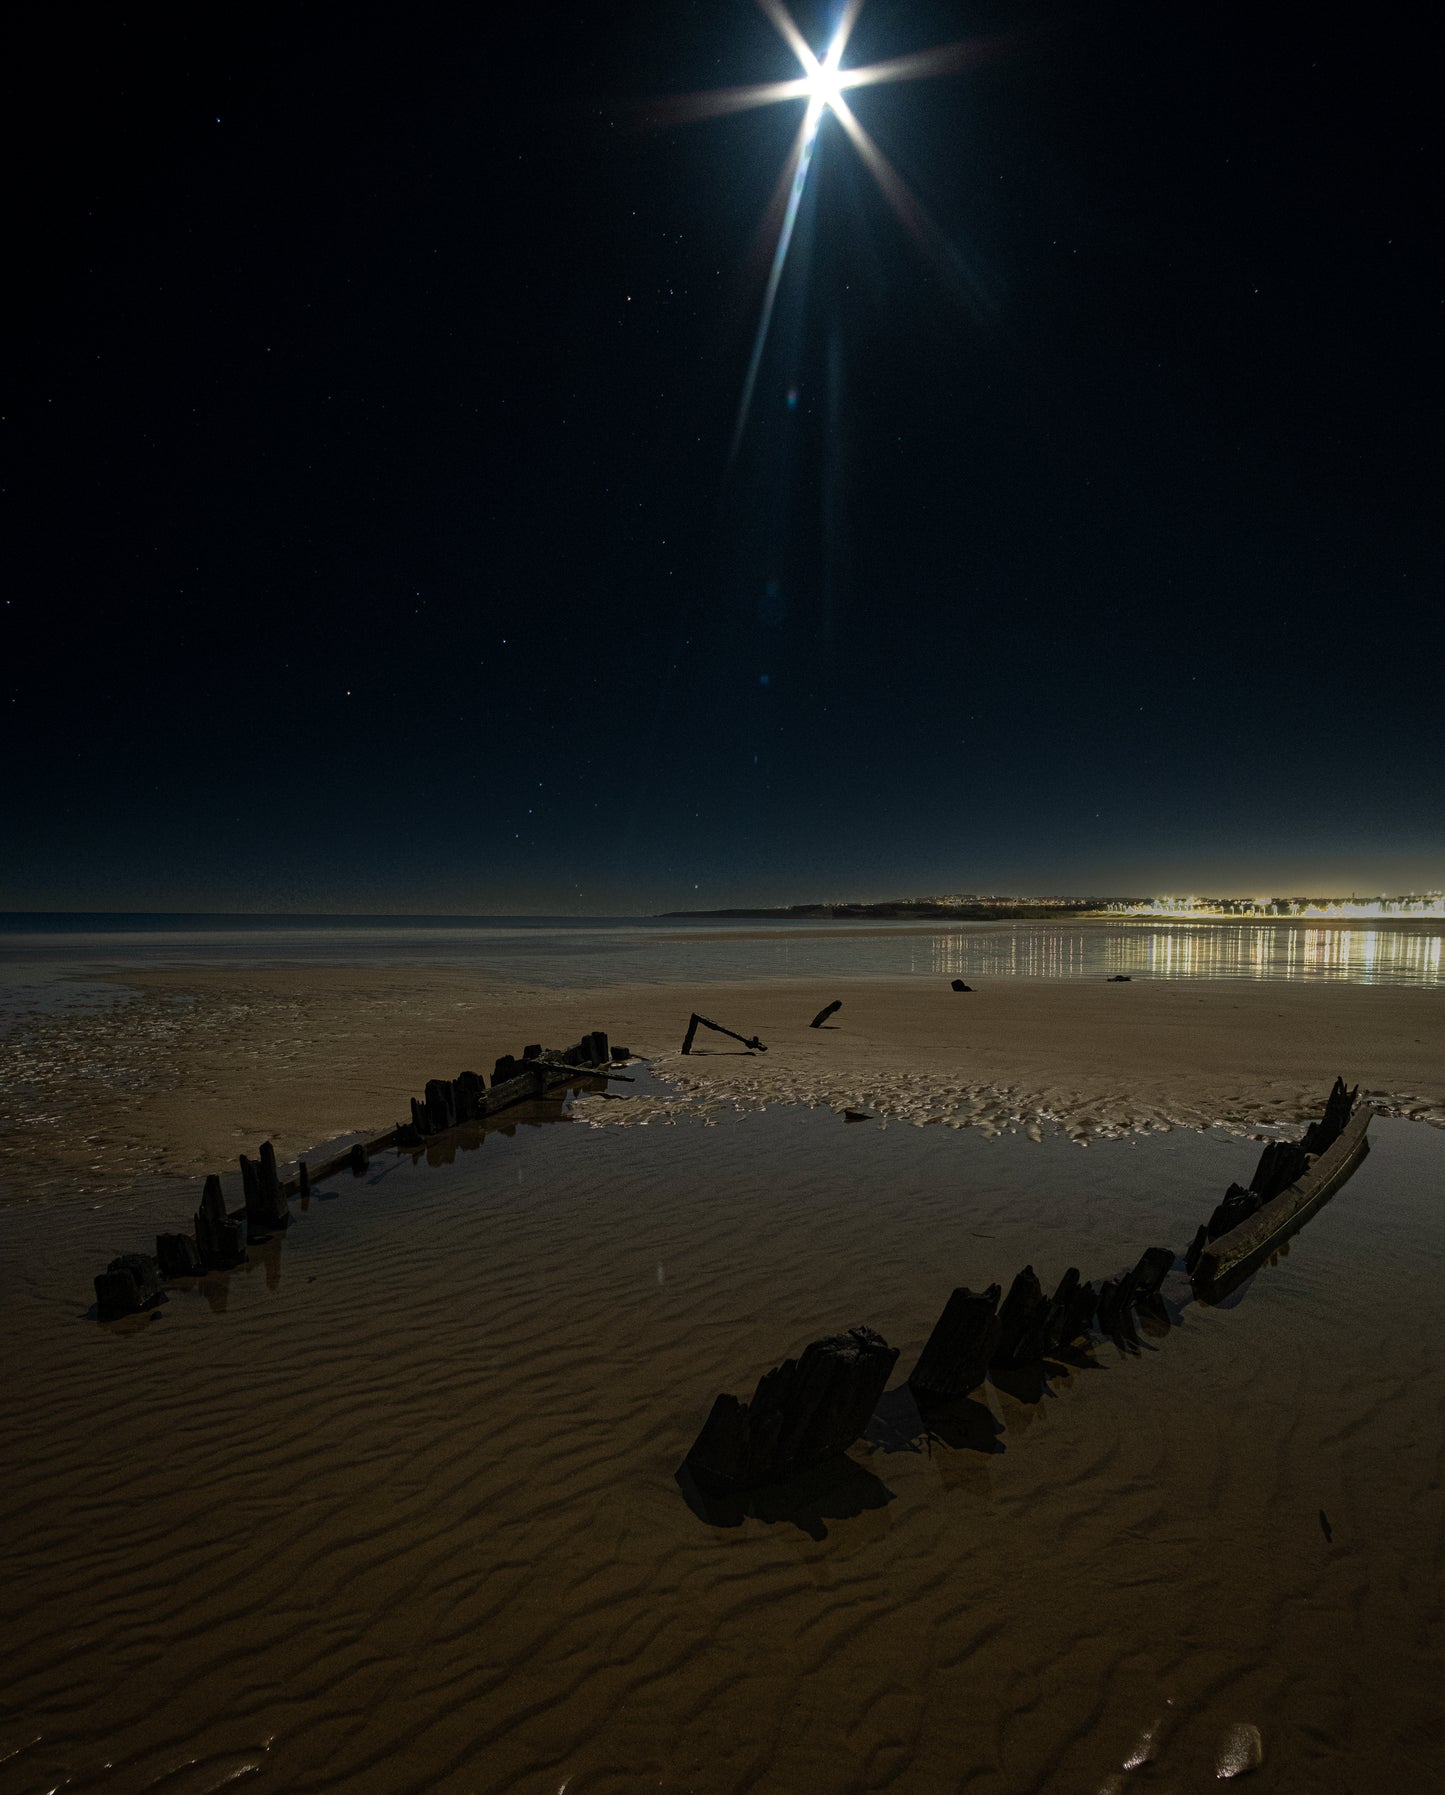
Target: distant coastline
(901,910)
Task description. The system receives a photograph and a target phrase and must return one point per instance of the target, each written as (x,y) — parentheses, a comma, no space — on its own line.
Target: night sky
(372,539)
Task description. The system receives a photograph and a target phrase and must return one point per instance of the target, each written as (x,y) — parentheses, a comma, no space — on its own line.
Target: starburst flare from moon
(822,86)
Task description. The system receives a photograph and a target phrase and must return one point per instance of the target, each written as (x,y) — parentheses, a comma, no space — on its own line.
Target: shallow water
(393,1507)
(54,964)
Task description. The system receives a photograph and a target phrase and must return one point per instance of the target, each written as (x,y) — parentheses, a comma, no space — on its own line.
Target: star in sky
(822,87)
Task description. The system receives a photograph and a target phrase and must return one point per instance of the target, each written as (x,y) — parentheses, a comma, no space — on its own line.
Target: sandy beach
(392,1506)
(200,1064)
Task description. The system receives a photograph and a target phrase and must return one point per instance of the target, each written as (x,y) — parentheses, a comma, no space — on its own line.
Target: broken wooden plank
(1272,1222)
(695,1022)
(803,1411)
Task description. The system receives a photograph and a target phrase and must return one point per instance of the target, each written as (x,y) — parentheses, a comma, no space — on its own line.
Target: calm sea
(52,962)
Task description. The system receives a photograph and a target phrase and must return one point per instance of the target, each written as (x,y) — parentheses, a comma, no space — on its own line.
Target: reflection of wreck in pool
(802,1411)
(133,1282)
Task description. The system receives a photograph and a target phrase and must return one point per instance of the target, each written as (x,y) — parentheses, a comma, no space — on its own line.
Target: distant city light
(1427,903)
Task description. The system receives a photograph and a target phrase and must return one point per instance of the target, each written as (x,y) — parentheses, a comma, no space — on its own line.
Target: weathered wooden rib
(1273,1221)
(803,1411)
(956,1357)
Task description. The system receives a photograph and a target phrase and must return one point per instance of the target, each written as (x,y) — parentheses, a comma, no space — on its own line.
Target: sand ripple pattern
(392,1509)
(703,1086)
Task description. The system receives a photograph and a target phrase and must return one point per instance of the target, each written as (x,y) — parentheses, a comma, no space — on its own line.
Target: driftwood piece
(220,1241)
(803,1411)
(695,1022)
(956,1357)
(1119,978)
(1021,1322)
(1232,1253)
(831,1010)
(129,1284)
(177,1256)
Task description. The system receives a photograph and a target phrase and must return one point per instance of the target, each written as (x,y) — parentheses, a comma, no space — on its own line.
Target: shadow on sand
(836,1490)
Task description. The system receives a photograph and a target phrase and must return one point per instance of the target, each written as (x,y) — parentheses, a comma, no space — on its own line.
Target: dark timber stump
(1152,1269)
(220,1241)
(266,1207)
(177,1257)
(805,1410)
(961,1346)
(1021,1322)
(130,1283)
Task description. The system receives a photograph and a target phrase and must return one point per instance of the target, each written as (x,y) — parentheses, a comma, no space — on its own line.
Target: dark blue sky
(373,542)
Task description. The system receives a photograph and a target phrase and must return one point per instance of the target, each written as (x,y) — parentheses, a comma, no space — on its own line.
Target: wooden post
(220,1241)
(266,1207)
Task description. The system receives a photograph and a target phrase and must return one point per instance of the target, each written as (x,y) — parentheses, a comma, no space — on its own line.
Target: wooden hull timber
(1224,1262)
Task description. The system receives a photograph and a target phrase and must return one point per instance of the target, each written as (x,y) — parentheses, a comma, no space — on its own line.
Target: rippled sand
(203,1063)
(393,1509)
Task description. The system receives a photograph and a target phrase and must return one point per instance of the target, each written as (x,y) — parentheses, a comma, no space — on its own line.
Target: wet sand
(201,1064)
(392,1508)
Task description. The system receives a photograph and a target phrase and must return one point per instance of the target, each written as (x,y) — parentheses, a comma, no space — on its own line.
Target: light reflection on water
(40,970)
(1364,956)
